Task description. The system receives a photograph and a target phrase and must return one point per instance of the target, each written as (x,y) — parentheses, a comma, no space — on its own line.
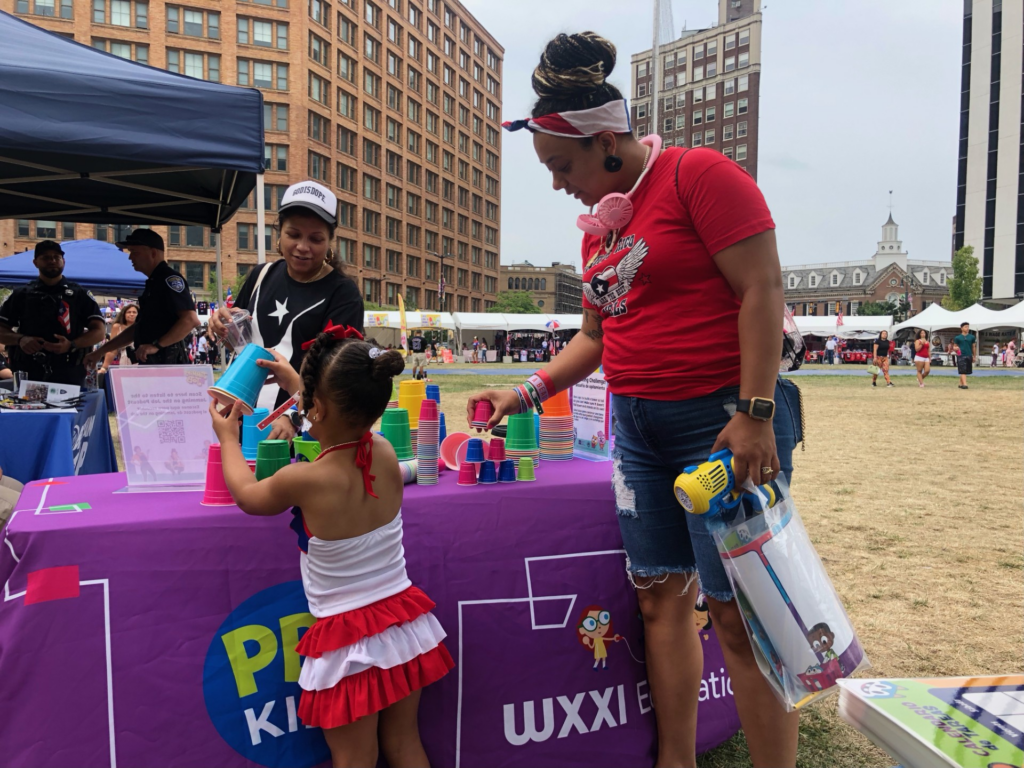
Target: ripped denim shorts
(655,441)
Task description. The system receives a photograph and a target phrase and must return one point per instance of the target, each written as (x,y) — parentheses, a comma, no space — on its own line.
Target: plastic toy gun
(712,486)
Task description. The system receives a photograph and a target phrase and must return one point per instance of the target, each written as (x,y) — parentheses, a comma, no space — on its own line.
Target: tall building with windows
(394,104)
(557,289)
(708,87)
(990,169)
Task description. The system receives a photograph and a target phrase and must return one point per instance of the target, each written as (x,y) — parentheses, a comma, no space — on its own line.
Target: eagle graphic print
(607,288)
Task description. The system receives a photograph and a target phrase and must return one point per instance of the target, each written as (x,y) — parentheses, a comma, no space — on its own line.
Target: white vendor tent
(936,318)
(485,321)
(384,319)
(497,321)
(855,327)
(1011,317)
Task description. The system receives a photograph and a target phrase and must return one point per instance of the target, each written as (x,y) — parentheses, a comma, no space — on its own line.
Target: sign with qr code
(163,416)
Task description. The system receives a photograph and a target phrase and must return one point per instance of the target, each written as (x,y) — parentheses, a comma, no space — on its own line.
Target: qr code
(171,431)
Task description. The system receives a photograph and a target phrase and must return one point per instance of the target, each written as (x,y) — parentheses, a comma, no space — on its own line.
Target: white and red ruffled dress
(375,640)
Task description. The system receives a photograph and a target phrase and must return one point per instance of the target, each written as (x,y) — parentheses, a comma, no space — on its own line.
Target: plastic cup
(395,426)
(475,451)
(434,393)
(215,492)
(526,473)
(496,451)
(521,432)
(305,449)
(558,405)
(409,471)
(482,414)
(507,471)
(239,329)
(467,474)
(442,431)
(428,410)
(243,379)
(251,436)
(488,473)
(271,455)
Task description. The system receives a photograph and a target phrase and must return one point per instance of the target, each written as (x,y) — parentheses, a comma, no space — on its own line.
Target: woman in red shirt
(695,268)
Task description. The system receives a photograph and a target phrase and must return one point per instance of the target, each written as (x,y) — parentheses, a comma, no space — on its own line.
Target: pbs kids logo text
(250,680)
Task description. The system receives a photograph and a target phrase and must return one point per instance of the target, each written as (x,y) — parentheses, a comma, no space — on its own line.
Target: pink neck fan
(615,210)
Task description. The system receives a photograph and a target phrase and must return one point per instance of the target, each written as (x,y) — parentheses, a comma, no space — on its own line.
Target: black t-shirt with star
(287,313)
(165,296)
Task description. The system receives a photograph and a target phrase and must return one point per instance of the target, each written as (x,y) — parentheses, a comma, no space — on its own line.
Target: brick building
(557,289)
(816,289)
(394,104)
(708,87)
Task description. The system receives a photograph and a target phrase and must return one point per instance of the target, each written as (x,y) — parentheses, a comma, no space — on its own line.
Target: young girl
(375,643)
(922,357)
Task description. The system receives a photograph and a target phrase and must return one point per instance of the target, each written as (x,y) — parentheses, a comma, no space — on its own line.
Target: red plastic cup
(467,473)
(215,493)
(496,452)
(482,414)
(428,410)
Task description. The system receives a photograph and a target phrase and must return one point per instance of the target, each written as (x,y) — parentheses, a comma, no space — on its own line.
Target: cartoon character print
(821,638)
(607,289)
(702,616)
(593,627)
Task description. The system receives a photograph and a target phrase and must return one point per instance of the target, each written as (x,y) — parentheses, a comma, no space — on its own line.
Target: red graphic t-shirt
(670,316)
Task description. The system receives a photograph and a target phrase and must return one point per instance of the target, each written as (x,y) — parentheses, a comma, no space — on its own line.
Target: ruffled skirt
(362,661)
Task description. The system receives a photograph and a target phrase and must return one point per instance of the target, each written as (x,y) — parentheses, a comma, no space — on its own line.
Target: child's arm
(267,497)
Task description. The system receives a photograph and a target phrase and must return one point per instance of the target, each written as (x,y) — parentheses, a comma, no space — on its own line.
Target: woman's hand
(217,320)
(505,402)
(752,443)
(225,421)
(281,372)
(282,429)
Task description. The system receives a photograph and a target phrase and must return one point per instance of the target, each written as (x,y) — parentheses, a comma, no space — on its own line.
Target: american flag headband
(612,117)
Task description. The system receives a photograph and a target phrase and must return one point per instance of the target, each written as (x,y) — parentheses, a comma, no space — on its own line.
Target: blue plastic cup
(536,426)
(434,393)
(442,431)
(507,471)
(243,379)
(475,451)
(488,474)
(251,436)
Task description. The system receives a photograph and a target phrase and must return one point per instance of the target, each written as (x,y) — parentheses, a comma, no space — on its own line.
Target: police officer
(167,313)
(57,321)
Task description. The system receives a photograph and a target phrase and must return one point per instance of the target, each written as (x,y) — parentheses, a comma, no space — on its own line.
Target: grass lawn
(913,499)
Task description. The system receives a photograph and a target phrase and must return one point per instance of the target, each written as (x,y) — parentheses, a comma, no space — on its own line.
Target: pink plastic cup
(496,452)
(467,473)
(428,410)
(482,414)
(215,493)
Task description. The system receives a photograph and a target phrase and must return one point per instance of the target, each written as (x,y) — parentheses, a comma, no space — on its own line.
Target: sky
(856,99)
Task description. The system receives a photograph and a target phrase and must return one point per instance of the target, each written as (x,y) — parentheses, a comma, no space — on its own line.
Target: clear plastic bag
(802,638)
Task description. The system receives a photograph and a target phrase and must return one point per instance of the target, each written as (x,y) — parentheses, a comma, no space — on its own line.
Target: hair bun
(386,365)
(573,63)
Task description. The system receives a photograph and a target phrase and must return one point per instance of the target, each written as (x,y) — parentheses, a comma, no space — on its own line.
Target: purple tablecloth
(146,629)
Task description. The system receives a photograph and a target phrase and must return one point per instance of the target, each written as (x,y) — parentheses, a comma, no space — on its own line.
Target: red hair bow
(338,332)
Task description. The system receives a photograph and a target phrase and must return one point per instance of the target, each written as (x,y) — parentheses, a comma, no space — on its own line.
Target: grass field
(913,500)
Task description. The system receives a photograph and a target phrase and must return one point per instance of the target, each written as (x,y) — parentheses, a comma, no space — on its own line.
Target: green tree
(965,284)
(873,308)
(515,303)
(211,285)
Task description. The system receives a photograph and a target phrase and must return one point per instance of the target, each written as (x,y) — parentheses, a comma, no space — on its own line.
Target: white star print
(281,311)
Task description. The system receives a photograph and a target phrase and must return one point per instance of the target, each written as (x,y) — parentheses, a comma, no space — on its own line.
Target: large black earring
(613,163)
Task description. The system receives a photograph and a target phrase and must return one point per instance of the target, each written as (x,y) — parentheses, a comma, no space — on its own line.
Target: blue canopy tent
(88,136)
(95,265)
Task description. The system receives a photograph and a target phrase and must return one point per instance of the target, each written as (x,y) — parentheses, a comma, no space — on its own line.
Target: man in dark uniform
(167,313)
(57,322)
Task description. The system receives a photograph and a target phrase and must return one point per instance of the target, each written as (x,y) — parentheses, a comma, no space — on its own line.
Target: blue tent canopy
(95,265)
(88,136)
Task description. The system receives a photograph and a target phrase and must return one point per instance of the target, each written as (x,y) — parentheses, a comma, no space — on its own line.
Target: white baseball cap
(314,197)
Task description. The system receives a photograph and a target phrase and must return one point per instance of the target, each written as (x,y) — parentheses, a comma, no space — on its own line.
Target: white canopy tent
(385,319)
(855,327)
(936,318)
(497,321)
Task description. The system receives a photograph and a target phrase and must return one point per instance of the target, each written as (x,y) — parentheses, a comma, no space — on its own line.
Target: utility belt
(173,354)
(22,361)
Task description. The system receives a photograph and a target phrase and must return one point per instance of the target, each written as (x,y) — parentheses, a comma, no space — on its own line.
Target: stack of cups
(393,402)
(556,429)
(521,440)
(215,493)
(428,444)
(251,436)
(305,448)
(394,425)
(482,414)
(272,455)
(410,395)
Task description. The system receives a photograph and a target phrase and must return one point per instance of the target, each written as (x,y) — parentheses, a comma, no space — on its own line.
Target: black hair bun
(572,64)
(386,365)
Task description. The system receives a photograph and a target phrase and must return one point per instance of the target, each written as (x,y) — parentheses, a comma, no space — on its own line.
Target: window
(697,137)
(641,89)
(371,118)
(394,165)
(371,223)
(346,177)
(741,107)
(709,115)
(346,104)
(347,68)
(834,279)
(729,87)
(371,153)
(414,79)
(680,122)
(371,48)
(319,50)
(730,42)
(371,188)
(415,48)
(791,283)
(812,281)
(698,116)
(346,214)
(741,152)
(192,64)
(414,15)
(393,230)
(261,74)
(743,60)
(319,11)
(394,32)
(121,13)
(741,130)
(371,288)
(275,117)
(371,84)
(319,128)
(744,37)
(727,133)
(641,111)
(729,109)
(394,65)
(136,52)
(730,63)
(709,137)
(712,48)
(698,74)
(413,142)
(743,82)
(275,157)
(318,167)
(319,89)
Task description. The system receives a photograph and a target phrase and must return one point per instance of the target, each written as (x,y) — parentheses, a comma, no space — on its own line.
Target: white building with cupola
(889,275)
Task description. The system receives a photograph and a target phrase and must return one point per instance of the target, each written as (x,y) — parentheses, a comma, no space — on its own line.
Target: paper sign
(38,391)
(591,409)
(163,414)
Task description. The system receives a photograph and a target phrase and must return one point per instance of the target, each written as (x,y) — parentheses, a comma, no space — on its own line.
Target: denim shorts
(655,441)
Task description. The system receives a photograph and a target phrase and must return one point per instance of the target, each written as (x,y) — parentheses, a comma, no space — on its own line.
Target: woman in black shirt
(293,298)
(881,354)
